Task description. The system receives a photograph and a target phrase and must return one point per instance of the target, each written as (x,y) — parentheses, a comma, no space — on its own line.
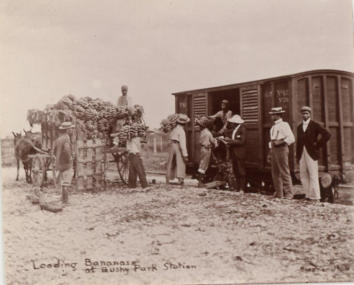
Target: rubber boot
(65,193)
(181,181)
(201,180)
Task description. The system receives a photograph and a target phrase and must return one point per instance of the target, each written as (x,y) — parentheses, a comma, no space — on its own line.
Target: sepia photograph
(176,142)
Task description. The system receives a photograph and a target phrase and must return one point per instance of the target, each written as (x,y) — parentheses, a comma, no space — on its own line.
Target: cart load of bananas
(94,118)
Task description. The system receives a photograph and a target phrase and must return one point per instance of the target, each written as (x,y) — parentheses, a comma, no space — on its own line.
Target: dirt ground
(169,235)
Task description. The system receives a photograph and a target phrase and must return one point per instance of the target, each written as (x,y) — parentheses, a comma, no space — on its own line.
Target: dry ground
(215,236)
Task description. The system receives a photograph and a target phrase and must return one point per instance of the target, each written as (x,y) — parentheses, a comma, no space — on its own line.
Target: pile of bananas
(35,116)
(169,123)
(95,118)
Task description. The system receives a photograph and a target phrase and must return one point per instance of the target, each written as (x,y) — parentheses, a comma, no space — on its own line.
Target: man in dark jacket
(311,137)
(236,139)
(64,159)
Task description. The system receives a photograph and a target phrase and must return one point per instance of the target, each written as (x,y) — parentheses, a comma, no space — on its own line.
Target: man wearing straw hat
(281,137)
(177,155)
(237,143)
(64,159)
(311,136)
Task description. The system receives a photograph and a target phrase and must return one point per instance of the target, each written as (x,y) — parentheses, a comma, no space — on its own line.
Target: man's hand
(185,159)
(269,157)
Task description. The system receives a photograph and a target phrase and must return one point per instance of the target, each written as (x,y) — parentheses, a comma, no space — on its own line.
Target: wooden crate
(90,165)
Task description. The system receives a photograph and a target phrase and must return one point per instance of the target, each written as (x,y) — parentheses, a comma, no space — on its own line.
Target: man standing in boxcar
(224,114)
(311,137)
(281,137)
(64,159)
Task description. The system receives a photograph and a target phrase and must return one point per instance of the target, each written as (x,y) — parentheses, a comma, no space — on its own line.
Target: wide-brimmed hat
(306,109)
(236,119)
(66,125)
(113,135)
(203,121)
(182,119)
(277,110)
(326,180)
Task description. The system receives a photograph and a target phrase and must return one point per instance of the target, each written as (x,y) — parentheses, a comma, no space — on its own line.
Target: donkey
(24,146)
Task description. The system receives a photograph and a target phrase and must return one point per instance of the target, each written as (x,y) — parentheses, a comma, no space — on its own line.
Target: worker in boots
(64,159)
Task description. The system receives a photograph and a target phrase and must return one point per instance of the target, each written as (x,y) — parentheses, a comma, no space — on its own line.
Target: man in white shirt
(281,137)
(136,167)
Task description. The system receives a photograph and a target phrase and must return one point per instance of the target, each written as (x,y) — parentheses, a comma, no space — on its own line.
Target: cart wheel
(123,167)
(38,171)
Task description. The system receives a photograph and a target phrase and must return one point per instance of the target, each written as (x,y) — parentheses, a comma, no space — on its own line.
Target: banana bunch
(130,131)
(169,123)
(35,116)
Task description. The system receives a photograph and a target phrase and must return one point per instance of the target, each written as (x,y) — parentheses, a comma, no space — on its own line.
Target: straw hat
(326,180)
(277,110)
(66,125)
(236,119)
(182,119)
(203,121)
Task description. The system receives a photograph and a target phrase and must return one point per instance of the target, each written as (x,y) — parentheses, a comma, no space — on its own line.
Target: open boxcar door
(251,113)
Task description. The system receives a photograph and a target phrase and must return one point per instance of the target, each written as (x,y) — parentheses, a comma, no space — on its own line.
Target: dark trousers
(136,168)
(281,172)
(238,166)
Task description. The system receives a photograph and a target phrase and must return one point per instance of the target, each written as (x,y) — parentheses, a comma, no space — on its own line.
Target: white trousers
(309,175)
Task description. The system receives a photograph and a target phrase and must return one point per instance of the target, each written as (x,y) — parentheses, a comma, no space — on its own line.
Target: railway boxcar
(328,92)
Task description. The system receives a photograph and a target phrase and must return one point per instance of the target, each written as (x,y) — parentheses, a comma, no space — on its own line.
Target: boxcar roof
(260,81)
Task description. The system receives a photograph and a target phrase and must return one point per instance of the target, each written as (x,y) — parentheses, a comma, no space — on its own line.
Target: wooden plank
(341,131)
(352,142)
(309,86)
(260,128)
(326,119)
(292,122)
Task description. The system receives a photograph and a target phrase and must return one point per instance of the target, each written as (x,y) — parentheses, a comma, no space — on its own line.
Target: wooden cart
(90,160)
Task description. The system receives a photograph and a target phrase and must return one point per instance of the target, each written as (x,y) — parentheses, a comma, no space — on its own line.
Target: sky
(50,48)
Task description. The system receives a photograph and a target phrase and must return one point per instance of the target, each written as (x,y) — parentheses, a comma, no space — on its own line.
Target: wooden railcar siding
(328,92)
(250,112)
(250,104)
(200,105)
(200,108)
